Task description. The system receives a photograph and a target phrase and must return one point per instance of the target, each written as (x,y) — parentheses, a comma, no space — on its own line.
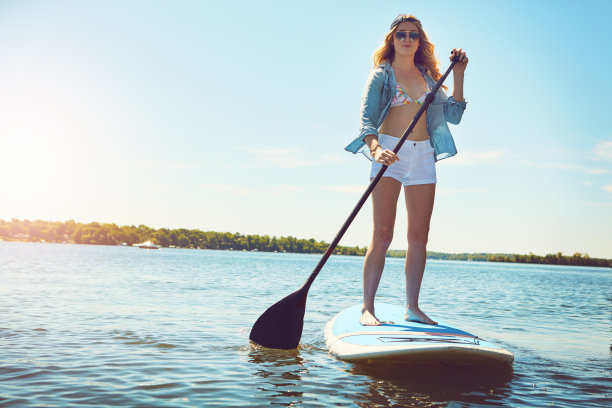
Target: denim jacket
(376,103)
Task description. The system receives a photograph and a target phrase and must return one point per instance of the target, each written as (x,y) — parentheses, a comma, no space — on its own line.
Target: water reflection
(432,385)
(285,376)
(282,370)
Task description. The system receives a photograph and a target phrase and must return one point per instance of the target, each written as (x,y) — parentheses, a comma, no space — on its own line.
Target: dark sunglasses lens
(401,35)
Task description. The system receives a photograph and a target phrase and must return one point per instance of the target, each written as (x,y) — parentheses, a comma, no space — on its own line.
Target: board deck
(399,341)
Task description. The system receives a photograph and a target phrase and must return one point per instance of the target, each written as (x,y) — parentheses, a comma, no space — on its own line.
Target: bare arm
(386,157)
(458,74)
(372,142)
(458,87)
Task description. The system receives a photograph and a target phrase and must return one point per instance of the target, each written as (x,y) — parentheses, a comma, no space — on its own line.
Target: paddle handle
(373,183)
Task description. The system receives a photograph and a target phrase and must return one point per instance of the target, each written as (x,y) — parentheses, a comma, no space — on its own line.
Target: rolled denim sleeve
(370,104)
(453,110)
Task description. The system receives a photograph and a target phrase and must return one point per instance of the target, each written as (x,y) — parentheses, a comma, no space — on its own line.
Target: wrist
(374,148)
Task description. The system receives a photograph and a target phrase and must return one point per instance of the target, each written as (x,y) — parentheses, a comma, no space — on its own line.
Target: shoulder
(380,74)
(382,70)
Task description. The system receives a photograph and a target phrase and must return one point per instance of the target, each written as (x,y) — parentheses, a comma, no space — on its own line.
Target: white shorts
(416,163)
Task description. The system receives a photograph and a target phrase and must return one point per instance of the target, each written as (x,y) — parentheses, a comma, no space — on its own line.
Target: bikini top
(402,98)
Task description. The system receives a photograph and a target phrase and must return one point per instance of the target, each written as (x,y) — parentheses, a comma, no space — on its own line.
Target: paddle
(280,326)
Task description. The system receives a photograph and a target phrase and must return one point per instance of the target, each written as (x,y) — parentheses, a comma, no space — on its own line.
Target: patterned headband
(401,18)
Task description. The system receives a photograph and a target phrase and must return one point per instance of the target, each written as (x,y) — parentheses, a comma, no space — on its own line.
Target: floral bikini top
(402,98)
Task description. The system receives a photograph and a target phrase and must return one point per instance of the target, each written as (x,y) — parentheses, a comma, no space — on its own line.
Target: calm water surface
(116,326)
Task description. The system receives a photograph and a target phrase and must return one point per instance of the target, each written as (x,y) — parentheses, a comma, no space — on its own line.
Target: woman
(406,70)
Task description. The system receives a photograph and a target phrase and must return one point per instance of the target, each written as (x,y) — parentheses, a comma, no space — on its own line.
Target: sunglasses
(401,35)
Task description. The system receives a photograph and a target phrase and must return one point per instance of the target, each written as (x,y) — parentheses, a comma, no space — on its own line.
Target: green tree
(183,241)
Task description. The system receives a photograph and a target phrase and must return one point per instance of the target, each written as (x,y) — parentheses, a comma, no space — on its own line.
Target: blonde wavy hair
(423,56)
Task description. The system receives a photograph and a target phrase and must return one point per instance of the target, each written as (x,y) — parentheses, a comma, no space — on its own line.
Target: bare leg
(419,203)
(384,204)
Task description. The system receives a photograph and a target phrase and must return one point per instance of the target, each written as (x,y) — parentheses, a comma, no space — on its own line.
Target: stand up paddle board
(399,341)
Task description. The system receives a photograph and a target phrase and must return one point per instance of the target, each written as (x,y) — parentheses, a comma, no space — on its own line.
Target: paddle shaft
(375,181)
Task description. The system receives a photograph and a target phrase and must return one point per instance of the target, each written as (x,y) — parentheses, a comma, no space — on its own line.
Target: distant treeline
(111,234)
(577,259)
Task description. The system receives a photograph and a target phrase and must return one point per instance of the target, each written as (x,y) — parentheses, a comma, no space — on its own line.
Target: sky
(233,116)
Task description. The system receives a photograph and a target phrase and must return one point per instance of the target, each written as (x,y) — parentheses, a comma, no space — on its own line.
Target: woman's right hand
(386,157)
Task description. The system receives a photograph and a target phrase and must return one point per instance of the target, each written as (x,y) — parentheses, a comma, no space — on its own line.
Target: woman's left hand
(462,63)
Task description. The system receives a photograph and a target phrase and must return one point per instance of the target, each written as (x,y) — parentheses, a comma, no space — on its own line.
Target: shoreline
(431,255)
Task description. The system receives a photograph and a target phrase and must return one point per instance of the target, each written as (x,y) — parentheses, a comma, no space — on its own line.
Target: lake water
(120,326)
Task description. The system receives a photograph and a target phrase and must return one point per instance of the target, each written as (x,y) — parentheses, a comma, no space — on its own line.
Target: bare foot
(416,315)
(368,319)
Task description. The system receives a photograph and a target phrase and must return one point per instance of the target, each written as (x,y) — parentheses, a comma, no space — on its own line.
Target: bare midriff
(400,117)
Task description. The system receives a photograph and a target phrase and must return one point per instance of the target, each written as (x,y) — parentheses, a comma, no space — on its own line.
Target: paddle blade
(280,326)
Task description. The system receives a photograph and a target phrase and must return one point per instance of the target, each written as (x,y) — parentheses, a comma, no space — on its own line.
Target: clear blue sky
(233,116)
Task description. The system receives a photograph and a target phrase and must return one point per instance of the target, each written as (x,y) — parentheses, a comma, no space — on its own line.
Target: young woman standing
(406,70)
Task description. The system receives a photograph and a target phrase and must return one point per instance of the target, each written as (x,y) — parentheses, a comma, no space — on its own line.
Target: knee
(382,237)
(418,239)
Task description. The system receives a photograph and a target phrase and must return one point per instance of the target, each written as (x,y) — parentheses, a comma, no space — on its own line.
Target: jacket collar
(386,66)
